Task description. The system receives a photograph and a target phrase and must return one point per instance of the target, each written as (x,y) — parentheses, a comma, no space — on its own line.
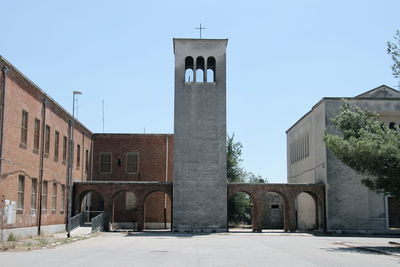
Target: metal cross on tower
(201,28)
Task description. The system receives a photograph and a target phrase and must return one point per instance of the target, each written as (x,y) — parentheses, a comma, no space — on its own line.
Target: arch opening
(211,69)
(306,212)
(91,204)
(157,211)
(273,216)
(124,214)
(240,212)
(189,76)
(200,69)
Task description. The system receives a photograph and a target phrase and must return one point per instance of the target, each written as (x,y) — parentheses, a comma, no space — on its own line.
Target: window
(56,144)
(211,69)
(33,194)
(47,140)
(189,64)
(24,128)
(44,196)
(62,197)
(274,206)
(200,69)
(105,162)
(54,197)
(78,156)
(87,160)
(36,137)
(64,152)
(132,162)
(21,189)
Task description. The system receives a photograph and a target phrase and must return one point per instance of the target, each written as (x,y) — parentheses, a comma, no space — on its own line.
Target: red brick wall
(152,153)
(152,167)
(21,94)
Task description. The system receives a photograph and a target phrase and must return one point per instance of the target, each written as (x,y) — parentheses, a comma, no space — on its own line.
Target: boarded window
(21,189)
(130,201)
(47,140)
(24,127)
(105,162)
(56,145)
(54,197)
(36,137)
(33,194)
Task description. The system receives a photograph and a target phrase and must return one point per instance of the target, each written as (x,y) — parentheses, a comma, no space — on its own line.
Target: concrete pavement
(223,249)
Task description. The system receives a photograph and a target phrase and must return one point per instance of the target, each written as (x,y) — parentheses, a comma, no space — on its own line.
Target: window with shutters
(132,162)
(105,162)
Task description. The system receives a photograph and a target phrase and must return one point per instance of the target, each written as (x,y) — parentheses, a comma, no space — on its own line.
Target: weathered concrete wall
(200,135)
(350,206)
(306,212)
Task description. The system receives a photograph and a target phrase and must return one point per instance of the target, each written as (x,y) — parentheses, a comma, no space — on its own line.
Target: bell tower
(200,184)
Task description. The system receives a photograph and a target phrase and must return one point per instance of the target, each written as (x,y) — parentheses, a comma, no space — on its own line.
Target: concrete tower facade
(200,185)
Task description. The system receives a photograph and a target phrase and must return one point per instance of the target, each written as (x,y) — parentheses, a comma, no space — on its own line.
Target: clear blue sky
(283,57)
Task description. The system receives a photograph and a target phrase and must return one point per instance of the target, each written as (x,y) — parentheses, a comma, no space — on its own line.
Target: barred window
(47,140)
(105,162)
(33,194)
(44,196)
(54,197)
(36,136)
(62,197)
(64,153)
(24,127)
(56,144)
(132,162)
(21,189)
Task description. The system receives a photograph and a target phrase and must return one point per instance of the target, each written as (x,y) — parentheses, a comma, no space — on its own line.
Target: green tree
(239,205)
(369,147)
(393,49)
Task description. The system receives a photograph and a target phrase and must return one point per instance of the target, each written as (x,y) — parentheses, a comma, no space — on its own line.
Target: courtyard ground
(238,248)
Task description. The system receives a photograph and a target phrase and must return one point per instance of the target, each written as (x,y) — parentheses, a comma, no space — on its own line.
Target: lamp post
(70,163)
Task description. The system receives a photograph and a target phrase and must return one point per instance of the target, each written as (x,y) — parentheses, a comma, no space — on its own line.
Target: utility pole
(70,164)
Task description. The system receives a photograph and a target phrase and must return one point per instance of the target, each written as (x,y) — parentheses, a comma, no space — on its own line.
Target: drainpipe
(3,95)
(41,163)
(166,180)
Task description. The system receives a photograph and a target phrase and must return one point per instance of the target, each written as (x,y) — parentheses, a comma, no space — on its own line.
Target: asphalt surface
(223,249)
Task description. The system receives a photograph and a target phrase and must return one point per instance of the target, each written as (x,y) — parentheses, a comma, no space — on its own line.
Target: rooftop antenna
(200,28)
(103,113)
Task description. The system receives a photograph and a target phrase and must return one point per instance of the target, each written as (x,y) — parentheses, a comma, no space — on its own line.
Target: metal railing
(76,221)
(98,223)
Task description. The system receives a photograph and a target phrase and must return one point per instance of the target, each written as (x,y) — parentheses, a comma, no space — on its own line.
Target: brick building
(34,152)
